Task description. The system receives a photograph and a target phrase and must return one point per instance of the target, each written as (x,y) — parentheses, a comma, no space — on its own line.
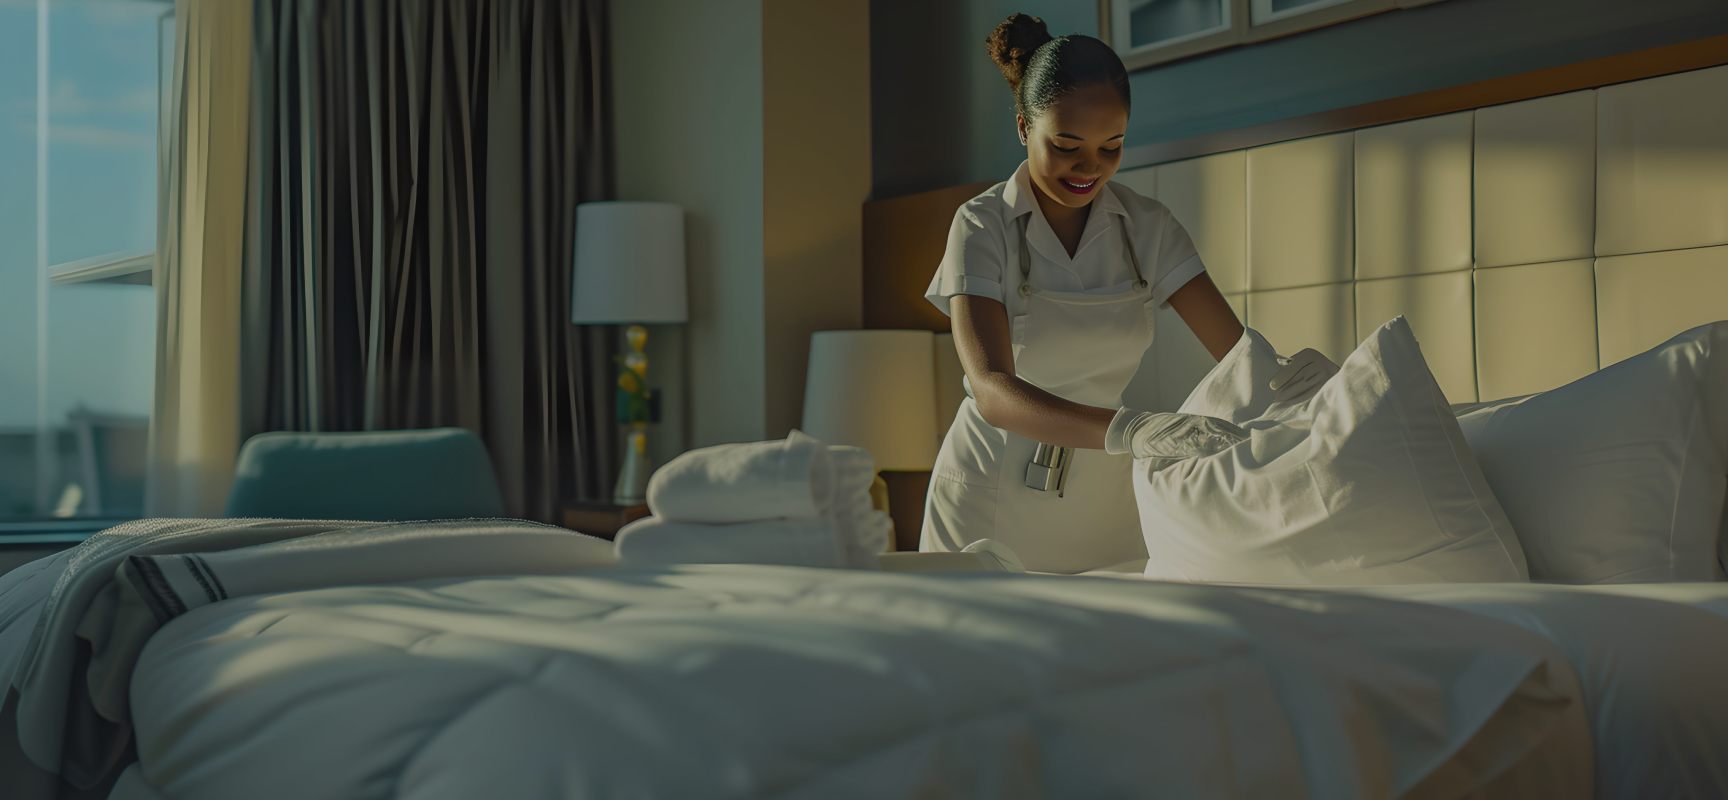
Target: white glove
(1169,437)
(1302,372)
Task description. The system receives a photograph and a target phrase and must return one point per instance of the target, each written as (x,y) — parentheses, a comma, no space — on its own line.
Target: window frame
(1238,30)
(51,523)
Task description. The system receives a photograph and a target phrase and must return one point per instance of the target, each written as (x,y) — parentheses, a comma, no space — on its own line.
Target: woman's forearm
(1013,404)
(1208,315)
(981,335)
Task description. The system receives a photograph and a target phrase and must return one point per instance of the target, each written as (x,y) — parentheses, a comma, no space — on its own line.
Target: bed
(764,681)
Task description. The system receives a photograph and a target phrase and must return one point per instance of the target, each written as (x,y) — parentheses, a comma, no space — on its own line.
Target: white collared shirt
(983,253)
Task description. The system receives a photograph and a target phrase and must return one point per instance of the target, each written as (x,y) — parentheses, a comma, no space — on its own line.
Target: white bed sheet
(1651,660)
(1649,657)
(756,681)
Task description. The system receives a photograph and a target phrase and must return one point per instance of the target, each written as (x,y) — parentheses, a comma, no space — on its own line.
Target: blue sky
(102,199)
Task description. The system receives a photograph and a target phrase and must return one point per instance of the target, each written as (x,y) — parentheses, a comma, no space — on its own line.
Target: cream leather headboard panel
(1529,244)
(1299,223)
(1536,181)
(1662,163)
(1643,299)
(1515,357)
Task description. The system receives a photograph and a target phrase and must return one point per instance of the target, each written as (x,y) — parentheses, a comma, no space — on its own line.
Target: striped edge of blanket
(153,586)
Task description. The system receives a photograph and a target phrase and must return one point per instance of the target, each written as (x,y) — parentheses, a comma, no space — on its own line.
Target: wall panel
(1143,180)
(1209,196)
(1535,327)
(1644,300)
(1438,310)
(1321,317)
(1300,213)
(1413,197)
(1535,165)
(1662,163)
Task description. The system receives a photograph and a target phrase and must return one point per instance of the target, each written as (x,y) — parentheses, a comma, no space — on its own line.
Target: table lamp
(630,271)
(876,390)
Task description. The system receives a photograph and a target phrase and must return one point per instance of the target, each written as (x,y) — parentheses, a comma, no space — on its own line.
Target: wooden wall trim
(1654,62)
(904,239)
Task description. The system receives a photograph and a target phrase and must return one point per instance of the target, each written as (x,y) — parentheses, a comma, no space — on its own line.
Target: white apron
(1081,347)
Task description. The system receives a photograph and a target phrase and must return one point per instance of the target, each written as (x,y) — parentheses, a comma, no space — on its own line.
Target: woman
(1051,279)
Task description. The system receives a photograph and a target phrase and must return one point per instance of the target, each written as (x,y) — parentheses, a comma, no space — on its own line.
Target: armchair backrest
(436,473)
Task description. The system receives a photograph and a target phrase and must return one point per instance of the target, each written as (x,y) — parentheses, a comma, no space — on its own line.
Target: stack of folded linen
(792,501)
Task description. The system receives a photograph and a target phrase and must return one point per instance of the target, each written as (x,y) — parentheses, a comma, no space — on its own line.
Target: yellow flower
(627,382)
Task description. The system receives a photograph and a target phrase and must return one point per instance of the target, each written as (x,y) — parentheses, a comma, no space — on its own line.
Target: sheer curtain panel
(194,420)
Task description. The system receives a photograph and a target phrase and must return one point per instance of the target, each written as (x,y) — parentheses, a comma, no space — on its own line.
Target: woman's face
(1076,145)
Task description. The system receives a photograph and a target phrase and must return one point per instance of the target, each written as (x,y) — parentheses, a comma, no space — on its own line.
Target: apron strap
(1026,257)
(1133,259)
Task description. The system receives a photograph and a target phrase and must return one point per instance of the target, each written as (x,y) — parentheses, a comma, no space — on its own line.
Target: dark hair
(1041,68)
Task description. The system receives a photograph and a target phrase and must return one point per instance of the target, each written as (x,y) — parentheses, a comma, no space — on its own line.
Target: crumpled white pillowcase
(1367,480)
(1619,476)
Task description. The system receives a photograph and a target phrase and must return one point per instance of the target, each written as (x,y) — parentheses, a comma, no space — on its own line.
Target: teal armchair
(437,473)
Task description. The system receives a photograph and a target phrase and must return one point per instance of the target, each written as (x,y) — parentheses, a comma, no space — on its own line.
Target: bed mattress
(757,681)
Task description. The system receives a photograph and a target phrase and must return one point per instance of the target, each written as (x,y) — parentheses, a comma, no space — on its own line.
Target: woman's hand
(1302,373)
(1172,437)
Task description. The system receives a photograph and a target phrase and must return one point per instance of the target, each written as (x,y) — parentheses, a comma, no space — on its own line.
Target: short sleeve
(1177,261)
(973,262)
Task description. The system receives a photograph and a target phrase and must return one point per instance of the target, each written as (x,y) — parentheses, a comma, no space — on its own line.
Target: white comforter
(72,624)
(1650,658)
(757,681)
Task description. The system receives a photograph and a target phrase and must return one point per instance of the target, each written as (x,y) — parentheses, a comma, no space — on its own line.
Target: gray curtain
(415,167)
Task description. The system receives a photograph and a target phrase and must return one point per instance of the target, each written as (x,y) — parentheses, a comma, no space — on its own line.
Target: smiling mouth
(1077,187)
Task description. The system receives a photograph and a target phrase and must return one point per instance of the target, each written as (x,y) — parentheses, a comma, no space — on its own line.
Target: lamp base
(632,486)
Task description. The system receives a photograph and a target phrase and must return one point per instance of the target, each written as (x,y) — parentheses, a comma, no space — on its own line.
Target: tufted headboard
(1528,243)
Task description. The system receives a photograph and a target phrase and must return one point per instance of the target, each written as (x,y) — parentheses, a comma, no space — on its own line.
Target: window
(1147,32)
(79,116)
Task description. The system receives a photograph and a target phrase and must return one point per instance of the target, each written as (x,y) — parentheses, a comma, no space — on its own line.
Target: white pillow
(1619,476)
(1365,481)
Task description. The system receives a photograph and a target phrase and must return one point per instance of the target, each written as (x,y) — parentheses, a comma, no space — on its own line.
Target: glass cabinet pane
(1152,23)
(1261,12)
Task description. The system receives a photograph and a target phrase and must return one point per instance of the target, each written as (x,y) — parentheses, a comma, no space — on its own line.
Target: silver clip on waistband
(1049,468)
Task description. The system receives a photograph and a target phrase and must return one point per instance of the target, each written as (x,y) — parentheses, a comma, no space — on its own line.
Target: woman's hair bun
(1013,43)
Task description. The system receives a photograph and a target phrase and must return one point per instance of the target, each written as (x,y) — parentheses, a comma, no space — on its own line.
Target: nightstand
(601,519)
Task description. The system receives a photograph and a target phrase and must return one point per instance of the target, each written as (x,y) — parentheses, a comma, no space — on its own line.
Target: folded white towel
(793,477)
(802,542)
(822,491)
(843,495)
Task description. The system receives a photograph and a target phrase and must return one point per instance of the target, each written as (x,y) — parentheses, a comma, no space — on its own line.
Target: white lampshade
(875,390)
(629,263)
(950,385)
